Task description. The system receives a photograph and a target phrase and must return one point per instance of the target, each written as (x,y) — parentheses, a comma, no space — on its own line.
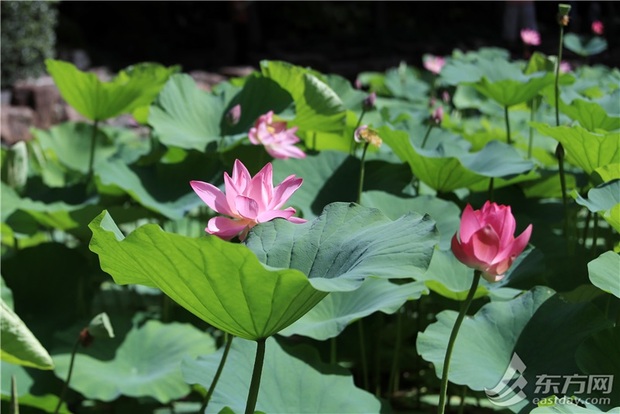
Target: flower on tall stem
(530,37)
(433,63)
(565,67)
(278,141)
(247,201)
(486,243)
(486,240)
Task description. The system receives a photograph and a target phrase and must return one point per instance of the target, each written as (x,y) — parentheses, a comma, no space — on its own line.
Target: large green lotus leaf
(600,198)
(591,115)
(346,244)
(32,387)
(351,98)
(57,214)
(606,173)
(98,100)
(445,213)
(548,343)
(272,98)
(584,46)
(599,353)
(145,365)
(604,272)
(442,174)
(160,187)
(485,343)
(70,144)
(317,107)
(567,408)
(331,176)
(159,75)
(294,380)
(404,82)
(509,92)
(334,313)
(185,116)
(496,159)
(587,150)
(457,71)
(19,345)
(222,283)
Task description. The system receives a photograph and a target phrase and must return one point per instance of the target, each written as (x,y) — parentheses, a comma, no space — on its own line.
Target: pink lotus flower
(247,201)
(278,141)
(487,240)
(565,67)
(530,37)
(433,63)
(437,116)
(598,28)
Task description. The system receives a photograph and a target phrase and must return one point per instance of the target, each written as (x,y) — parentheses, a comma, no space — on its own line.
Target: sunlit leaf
(294,380)
(604,272)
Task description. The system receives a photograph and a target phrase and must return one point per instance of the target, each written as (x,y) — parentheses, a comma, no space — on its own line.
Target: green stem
(508,138)
(462,403)
(490,190)
(362,339)
(560,149)
(585,228)
(256,375)
(455,330)
(14,399)
(595,235)
(333,351)
(362,168)
(530,144)
(66,384)
(428,132)
(395,374)
(93,142)
(220,368)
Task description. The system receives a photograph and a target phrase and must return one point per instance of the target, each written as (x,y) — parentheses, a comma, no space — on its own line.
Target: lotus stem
(585,228)
(491,185)
(256,376)
(428,132)
(462,402)
(455,330)
(93,142)
(14,398)
(360,330)
(362,169)
(216,378)
(68,380)
(531,130)
(560,149)
(395,374)
(508,138)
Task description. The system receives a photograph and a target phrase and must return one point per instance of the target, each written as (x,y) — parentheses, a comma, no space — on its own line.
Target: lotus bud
(233,115)
(369,102)
(437,116)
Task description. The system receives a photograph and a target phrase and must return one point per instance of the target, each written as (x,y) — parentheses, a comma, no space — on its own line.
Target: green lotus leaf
(509,92)
(222,283)
(598,354)
(145,365)
(98,100)
(19,345)
(484,346)
(294,380)
(317,107)
(184,116)
(445,213)
(587,150)
(346,244)
(604,274)
(334,313)
(568,408)
(404,82)
(601,198)
(584,46)
(328,178)
(591,115)
(458,71)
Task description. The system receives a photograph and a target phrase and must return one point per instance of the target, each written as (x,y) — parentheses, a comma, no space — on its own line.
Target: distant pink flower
(233,115)
(445,96)
(486,240)
(437,116)
(247,201)
(598,28)
(278,141)
(433,63)
(530,37)
(565,67)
